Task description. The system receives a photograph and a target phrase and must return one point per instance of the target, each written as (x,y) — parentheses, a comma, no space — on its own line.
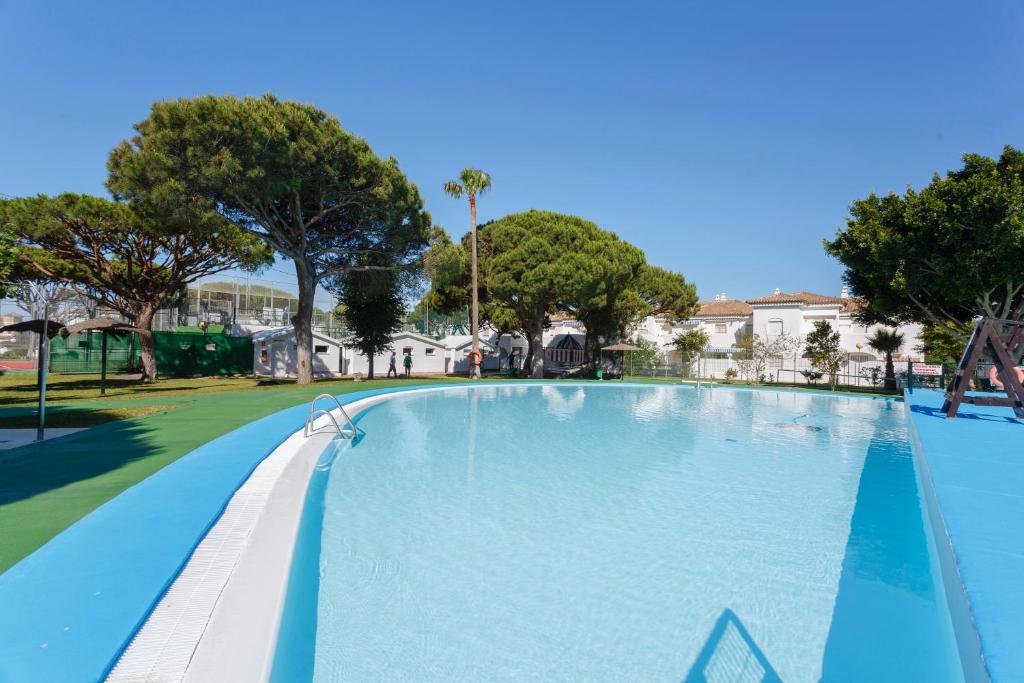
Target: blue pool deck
(976,464)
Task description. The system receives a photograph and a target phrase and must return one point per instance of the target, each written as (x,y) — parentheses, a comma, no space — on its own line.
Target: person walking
(407,362)
(392,365)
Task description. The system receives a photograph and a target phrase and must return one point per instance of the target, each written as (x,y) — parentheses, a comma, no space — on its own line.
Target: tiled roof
(853,304)
(723,309)
(797,298)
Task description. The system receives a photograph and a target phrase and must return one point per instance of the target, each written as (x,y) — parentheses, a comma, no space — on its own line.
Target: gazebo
(107,326)
(46,329)
(623,349)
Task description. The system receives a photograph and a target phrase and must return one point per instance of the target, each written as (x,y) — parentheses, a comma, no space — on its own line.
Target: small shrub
(812,376)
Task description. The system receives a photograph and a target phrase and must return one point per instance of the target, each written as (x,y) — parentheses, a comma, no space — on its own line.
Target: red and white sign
(927,369)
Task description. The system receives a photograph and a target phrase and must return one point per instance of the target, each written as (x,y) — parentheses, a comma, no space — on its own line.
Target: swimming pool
(618,533)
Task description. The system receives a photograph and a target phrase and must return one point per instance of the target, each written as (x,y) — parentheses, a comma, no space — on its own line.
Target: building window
(320,349)
(775,326)
(721,328)
(429,352)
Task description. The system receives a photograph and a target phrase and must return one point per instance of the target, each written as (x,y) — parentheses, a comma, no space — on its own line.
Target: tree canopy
(8,259)
(941,255)
(285,172)
(887,343)
(373,306)
(690,343)
(538,262)
(823,348)
(105,251)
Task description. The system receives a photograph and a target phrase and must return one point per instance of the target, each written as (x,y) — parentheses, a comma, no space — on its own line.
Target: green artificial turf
(46,487)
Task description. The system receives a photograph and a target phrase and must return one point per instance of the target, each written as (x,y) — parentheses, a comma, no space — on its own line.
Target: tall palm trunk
(474,323)
(890,372)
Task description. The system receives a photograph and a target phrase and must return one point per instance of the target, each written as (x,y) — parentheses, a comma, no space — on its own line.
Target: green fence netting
(178,354)
(184,354)
(83,352)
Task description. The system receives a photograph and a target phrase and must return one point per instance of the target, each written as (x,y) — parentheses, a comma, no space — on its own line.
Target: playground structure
(1002,339)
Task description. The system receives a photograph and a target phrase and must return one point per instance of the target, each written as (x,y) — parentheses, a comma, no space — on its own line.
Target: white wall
(735,328)
(791,316)
(798,320)
(428,357)
(277,357)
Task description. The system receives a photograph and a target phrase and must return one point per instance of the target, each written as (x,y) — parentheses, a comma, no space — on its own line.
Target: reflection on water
(565,402)
(565,533)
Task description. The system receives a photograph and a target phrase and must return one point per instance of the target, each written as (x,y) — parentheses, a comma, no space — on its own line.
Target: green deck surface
(46,487)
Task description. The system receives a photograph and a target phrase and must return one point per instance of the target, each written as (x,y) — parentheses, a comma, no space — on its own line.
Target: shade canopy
(52,327)
(102,325)
(621,347)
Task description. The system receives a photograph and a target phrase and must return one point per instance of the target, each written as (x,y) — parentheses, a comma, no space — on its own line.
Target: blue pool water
(618,533)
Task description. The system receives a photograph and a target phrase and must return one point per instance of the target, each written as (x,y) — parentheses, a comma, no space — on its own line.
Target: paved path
(15,438)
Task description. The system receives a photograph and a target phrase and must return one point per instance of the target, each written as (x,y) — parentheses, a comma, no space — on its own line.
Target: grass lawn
(57,417)
(46,487)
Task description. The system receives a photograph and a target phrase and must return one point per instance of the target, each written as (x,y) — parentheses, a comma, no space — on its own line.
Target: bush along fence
(865,375)
(178,354)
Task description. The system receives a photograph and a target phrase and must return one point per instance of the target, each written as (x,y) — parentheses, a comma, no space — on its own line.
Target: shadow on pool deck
(930,411)
(40,467)
(730,654)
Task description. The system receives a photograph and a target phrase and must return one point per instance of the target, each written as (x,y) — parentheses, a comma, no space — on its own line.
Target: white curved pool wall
(219,619)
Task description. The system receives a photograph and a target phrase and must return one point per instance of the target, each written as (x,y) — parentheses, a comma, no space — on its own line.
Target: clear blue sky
(725,139)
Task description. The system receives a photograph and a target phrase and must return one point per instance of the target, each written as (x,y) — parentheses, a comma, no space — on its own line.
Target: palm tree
(473,182)
(887,342)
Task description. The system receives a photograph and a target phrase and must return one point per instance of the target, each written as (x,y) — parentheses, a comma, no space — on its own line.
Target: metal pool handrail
(315,412)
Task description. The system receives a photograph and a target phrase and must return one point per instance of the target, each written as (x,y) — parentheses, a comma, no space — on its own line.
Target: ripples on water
(625,533)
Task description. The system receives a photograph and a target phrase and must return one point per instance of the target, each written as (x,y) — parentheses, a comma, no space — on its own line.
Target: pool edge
(965,630)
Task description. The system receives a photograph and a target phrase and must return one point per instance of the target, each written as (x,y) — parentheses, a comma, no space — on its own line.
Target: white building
(728,321)
(429,356)
(458,347)
(275,355)
(795,314)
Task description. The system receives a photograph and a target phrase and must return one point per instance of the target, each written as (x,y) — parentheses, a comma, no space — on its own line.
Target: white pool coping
(219,619)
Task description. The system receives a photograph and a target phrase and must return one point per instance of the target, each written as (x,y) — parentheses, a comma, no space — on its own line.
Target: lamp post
(44,362)
(859,347)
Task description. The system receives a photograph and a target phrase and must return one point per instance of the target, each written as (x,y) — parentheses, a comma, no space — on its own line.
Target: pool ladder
(315,412)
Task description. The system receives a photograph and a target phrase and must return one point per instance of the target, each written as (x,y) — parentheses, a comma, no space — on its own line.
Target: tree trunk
(474,323)
(369,366)
(890,372)
(147,352)
(528,358)
(302,322)
(537,347)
